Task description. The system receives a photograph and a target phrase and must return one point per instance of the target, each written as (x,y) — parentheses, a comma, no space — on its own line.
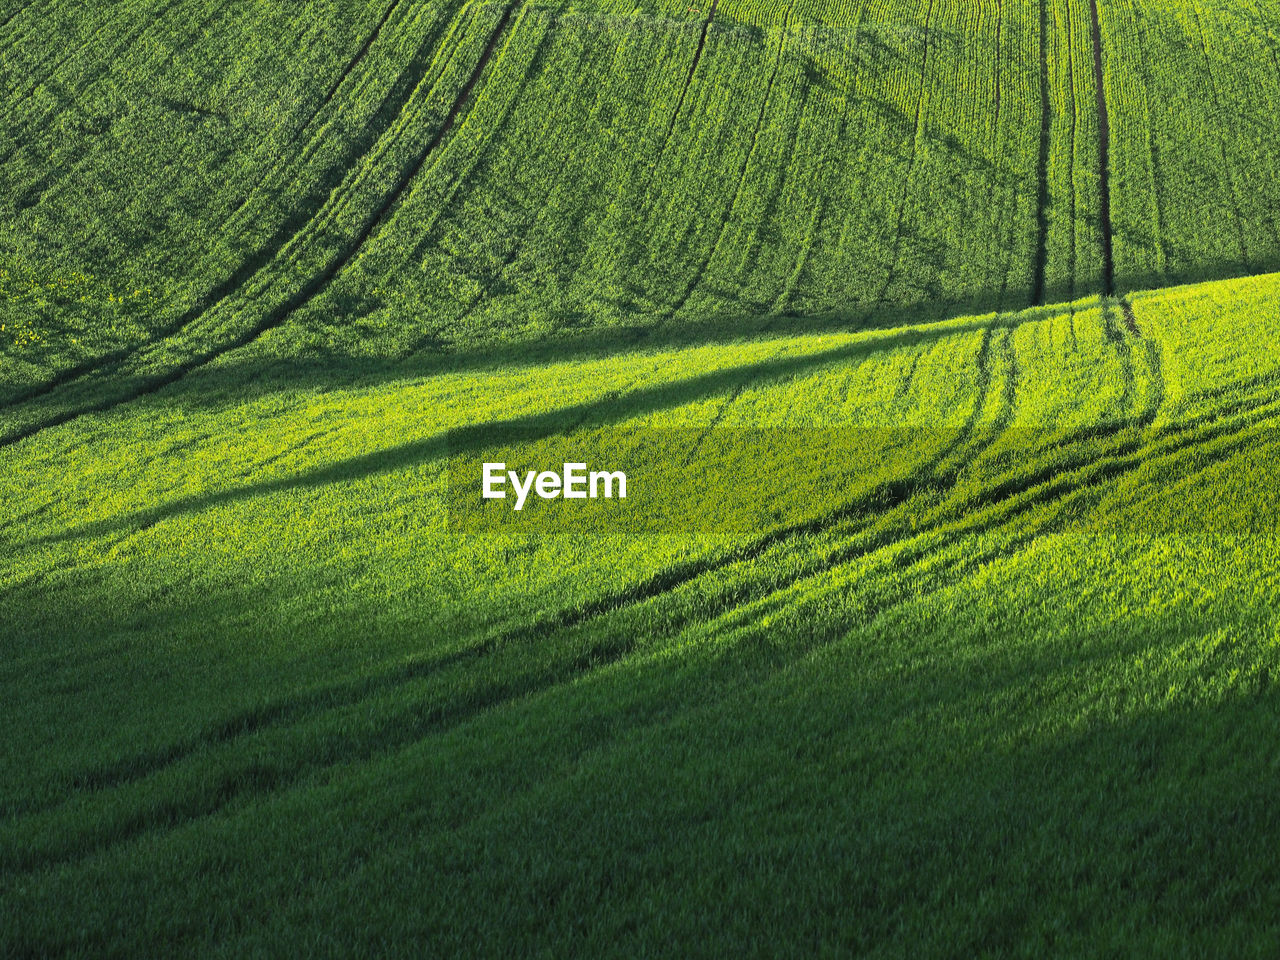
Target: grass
(940,615)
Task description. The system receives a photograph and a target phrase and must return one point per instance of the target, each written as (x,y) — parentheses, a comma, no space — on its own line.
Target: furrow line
(1104,153)
(413,724)
(219,293)
(1040,264)
(311,289)
(660,583)
(698,274)
(911,162)
(688,81)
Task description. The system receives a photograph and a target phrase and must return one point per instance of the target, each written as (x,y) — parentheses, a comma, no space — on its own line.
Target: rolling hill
(936,339)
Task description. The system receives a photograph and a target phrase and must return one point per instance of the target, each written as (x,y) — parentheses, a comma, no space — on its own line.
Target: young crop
(942,595)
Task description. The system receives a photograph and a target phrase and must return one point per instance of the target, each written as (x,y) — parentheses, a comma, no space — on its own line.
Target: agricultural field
(935,338)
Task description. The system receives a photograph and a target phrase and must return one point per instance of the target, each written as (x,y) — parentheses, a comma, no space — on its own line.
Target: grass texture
(937,340)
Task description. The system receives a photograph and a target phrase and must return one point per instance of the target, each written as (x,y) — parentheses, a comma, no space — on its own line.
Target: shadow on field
(614,406)
(979,767)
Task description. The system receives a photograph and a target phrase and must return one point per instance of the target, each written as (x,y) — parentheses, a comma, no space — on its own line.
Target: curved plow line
(244,779)
(411,723)
(309,291)
(542,209)
(660,584)
(696,279)
(911,162)
(684,90)
(242,275)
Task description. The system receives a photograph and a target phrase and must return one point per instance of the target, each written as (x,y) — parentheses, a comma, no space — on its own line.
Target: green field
(937,339)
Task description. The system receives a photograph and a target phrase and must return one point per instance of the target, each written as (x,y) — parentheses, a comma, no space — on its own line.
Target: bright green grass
(979,659)
(1002,706)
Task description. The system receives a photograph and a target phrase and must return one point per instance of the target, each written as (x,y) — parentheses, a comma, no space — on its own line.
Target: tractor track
(1104,153)
(998,506)
(220,291)
(302,297)
(688,80)
(917,130)
(1040,264)
(696,280)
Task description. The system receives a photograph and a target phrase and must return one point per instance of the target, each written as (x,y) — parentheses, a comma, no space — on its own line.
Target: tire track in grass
(1155,363)
(373,224)
(826,184)
(1222,147)
(212,793)
(1040,263)
(363,52)
(233,785)
(342,78)
(688,81)
(1043,485)
(221,291)
(218,293)
(771,203)
(917,131)
(1130,321)
(701,271)
(660,583)
(400,728)
(1124,351)
(311,288)
(643,190)
(1104,153)
(715,422)
(1251,411)
(1123,342)
(539,203)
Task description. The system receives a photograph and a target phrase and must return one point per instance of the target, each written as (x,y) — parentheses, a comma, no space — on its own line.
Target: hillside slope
(943,598)
(995,601)
(176,181)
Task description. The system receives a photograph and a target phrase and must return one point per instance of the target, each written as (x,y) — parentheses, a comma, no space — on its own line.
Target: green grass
(939,619)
